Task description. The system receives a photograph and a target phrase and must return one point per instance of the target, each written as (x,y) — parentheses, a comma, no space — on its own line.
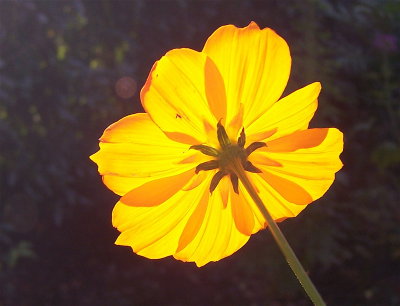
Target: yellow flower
(205,111)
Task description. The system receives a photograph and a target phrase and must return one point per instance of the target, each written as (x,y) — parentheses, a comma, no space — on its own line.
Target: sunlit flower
(205,110)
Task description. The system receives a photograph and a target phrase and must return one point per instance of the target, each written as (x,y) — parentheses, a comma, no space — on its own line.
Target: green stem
(283,244)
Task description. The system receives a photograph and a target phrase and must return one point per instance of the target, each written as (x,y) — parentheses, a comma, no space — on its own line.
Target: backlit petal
(149,159)
(194,223)
(330,139)
(289,190)
(134,151)
(154,232)
(184,93)
(286,116)
(217,237)
(306,164)
(255,65)
(242,214)
(157,191)
(224,188)
(277,205)
(123,184)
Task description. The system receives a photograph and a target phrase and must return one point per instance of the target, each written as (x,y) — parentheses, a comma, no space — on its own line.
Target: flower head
(206,113)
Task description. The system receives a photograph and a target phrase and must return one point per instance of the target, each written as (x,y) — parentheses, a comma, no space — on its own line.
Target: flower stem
(283,244)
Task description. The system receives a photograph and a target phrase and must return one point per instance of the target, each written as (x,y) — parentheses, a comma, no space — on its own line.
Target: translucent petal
(195,181)
(217,237)
(134,151)
(123,184)
(194,223)
(157,191)
(323,140)
(255,65)
(286,116)
(242,213)
(306,164)
(289,190)
(277,205)
(154,231)
(259,221)
(183,93)
(224,187)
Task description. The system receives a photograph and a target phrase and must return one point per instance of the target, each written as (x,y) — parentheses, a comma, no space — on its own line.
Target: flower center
(227,157)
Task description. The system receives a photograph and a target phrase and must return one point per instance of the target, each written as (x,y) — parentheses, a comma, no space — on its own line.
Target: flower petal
(217,237)
(194,223)
(255,65)
(134,151)
(157,191)
(329,140)
(306,163)
(184,93)
(154,231)
(224,187)
(286,188)
(288,115)
(123,184)
(242,213)
(276,205)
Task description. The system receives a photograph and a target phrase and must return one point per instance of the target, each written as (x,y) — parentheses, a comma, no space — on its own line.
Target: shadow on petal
(157,191)
(287,189)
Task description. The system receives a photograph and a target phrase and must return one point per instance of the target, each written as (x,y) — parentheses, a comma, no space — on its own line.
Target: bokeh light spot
(125,87)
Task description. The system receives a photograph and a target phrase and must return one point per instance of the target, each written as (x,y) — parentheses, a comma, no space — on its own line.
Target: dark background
(60,65)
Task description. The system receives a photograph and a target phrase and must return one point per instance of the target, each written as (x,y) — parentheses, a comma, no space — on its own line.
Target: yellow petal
(195,181)
(275,203)
(301,140)
(215,90)
(194,223)
(157,191)
(259,220)
(154,231)
(286,116)
(255,65)
(236,124)
(183,90)
(217,237)
(289,190)
(123,184)
(241,211)
(242,214)
(306,169)
(224,188)
(134,151)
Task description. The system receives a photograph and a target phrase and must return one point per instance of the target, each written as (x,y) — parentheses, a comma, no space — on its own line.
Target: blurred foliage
(70,68)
